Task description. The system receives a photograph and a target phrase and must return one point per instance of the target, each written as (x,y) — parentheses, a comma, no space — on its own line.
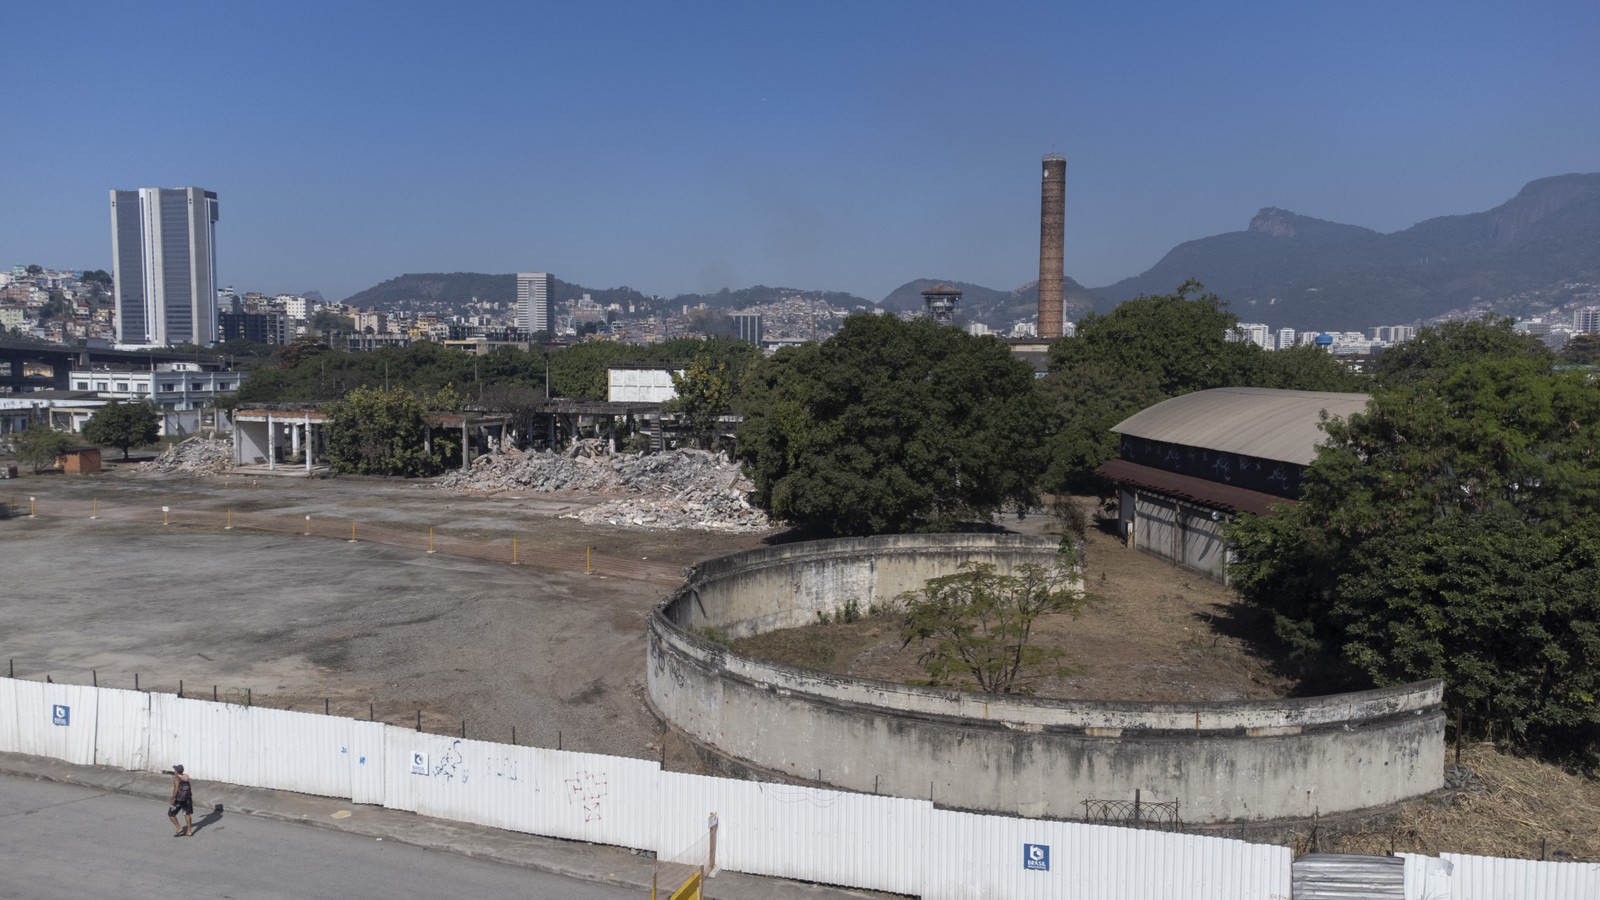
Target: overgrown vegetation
(1451,531)
(376,431)
(976,625)
(39,447)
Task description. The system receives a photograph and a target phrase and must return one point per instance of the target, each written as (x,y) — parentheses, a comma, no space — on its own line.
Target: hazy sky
(847,146)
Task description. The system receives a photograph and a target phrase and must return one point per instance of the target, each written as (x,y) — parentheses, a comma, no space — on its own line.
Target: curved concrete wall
(1028,756)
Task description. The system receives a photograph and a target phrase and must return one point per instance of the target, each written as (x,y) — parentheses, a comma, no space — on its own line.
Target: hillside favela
(437,500)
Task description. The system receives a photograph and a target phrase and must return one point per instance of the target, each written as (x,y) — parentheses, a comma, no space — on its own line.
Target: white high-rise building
(1285,338)
(1586,320)
(164,262)
(533,301)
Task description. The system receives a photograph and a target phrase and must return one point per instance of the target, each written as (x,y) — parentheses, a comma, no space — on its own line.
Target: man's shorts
(185,805)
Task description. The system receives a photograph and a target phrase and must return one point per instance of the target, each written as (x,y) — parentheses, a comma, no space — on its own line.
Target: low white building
(176,386)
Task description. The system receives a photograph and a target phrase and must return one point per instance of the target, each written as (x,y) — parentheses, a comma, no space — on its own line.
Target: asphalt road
(63,841)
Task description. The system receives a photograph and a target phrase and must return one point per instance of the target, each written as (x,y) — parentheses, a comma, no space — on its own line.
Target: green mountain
(761,294)
(454,290)
(1292,270)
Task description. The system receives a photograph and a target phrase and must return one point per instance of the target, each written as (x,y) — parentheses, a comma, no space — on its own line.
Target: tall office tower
(1052,231)
(164,264)
(533,301)
(1586,320)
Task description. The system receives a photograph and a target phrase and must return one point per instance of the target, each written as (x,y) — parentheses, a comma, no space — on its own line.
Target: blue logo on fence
(61,715)
(1036,856)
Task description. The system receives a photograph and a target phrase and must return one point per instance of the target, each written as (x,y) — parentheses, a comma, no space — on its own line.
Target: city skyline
(834,147)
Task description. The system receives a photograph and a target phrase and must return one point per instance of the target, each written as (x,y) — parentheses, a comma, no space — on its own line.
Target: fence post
(136,681)
(1137,802)
(419,719)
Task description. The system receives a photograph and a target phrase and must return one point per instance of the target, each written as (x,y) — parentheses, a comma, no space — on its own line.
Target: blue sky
(849,146)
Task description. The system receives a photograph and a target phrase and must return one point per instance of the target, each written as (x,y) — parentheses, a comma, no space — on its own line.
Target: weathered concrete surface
(1244,761)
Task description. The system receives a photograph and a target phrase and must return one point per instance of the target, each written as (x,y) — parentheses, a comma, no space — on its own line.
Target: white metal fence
(835,837)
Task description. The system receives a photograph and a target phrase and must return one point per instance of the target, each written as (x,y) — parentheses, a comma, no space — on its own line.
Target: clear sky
(852,146)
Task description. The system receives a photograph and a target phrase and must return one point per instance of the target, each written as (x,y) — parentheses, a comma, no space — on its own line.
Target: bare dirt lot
(295,621)
(1154,632)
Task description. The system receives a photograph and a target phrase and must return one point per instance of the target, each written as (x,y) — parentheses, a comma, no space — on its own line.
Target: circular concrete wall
(1240,761)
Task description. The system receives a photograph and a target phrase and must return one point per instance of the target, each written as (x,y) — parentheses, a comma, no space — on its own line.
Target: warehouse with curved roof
(1188,463)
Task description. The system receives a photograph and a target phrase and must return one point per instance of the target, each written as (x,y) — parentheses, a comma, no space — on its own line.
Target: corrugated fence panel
(1427,877)
(294,751)
(1340,876)
(122,729)
(54,720)
(470,781)
(11,717)
(976,856)
(1489,878)
(835,837)
(197,734)
(604,799)
(367,761)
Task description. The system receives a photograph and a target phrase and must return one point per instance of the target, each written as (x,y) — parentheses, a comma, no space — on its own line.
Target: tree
(123,425)
(327,320)
(96,276)
(1582,349)
(891,426)
(38,447)
(377,431)
(976,625)
(1144,351)
(704,392)
(1438,350)
(1463,500)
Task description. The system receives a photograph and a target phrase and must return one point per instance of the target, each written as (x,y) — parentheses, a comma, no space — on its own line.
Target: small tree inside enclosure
(976,625)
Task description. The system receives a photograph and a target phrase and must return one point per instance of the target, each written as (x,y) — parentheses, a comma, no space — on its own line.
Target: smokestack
(1052,218)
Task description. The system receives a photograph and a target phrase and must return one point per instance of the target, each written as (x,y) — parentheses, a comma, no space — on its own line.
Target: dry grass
(1516,807)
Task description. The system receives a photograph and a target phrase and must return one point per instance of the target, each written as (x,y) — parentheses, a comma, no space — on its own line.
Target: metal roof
(1261,422)
(1211,494)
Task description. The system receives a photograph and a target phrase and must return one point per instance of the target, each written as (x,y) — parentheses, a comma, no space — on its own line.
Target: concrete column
(466,446)
(310,443)
(272,443)
(238,444)
(294,439)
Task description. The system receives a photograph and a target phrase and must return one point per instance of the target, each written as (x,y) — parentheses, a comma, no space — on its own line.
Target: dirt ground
(293,621)
(1154,632)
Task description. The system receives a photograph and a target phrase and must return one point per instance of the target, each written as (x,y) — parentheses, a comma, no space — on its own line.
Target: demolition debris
(671,489)
(195,456)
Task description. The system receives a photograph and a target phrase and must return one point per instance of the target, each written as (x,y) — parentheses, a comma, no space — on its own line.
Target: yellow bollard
(30,507)
(164,519)
(94,508)
(229,526)
(308,525)
(352,532)
(513,551)
(430,538)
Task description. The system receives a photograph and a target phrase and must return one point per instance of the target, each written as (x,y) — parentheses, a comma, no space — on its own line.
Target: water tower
(941,300)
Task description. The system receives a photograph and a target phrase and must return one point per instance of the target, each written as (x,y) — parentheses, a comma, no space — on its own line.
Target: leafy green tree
(580,370)
(96,276)
(976,626)
(1306,368)
(1180,338)
(123,425)
(1438,350)
(328,320)
(1508,616)
(377,431)
(704,392)
(1144,351)
(39,447)
(1468,481)
(891,426)
(1582,349)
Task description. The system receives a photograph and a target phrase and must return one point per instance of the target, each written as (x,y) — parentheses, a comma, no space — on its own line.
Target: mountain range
(1284,269)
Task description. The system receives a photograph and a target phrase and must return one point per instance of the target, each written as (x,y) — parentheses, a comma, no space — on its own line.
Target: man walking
(182,800)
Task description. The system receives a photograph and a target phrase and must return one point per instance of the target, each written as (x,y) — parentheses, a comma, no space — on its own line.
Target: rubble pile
(196,456)
(671,489)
